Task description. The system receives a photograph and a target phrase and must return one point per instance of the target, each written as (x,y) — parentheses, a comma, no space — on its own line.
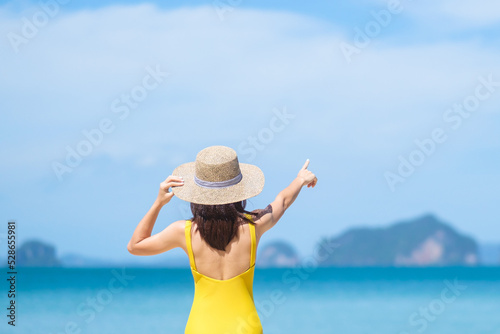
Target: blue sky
(151,84)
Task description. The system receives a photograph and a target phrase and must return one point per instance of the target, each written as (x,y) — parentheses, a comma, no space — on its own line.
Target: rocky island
(424,241)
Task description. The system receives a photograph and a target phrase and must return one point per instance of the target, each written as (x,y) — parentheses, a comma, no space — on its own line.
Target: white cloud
(226,76)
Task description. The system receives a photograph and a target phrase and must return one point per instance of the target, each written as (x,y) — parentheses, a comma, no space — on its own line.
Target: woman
(221,238)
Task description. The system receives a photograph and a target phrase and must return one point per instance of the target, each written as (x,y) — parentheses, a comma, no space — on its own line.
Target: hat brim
(250,185)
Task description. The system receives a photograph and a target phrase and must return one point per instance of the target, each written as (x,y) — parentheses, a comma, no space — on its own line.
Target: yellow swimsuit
(223,306)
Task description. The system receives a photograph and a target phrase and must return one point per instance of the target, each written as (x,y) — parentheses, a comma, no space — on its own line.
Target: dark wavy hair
(218,224)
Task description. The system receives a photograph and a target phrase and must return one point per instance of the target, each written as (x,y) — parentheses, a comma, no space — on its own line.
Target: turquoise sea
(300,300)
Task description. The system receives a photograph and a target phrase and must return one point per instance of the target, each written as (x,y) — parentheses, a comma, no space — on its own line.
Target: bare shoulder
(262,219)
(179,225)
(179,228)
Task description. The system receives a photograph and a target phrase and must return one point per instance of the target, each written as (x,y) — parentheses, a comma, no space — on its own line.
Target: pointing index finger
(306,164)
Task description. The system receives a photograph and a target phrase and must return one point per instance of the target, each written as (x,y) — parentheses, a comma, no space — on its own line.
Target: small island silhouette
(420,242)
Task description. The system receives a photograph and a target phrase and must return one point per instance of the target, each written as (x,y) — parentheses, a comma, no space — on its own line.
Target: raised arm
(142,243)
(285,198)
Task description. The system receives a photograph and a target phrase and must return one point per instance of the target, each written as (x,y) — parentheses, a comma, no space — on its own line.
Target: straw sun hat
(217,177)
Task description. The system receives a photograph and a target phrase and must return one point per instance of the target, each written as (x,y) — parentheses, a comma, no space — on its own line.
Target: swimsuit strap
(253,241)
(188,244)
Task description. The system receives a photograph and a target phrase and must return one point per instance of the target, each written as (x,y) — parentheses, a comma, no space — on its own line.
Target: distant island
(423,241)
(277,254)
(35,253)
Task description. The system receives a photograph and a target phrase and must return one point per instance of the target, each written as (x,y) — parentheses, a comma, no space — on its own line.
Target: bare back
(226,264)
